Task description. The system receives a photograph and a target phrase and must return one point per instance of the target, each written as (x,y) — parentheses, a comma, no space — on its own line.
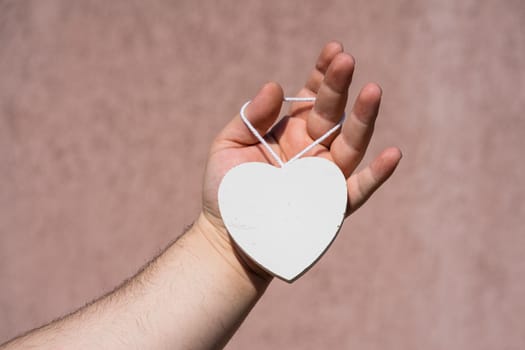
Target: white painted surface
(284,218)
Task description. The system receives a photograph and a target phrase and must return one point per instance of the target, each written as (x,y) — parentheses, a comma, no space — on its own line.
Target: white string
(299,99)
(318,141)
(259,137)
(304,151)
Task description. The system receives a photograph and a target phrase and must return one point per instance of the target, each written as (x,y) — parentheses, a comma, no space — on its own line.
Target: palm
(303,124)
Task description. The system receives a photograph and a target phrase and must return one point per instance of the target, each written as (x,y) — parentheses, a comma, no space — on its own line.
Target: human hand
(191,295)
(329,83)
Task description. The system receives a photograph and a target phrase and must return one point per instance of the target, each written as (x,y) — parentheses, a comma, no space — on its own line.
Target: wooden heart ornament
(284,218)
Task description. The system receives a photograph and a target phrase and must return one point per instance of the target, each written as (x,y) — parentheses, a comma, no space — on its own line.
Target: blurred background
(107,109)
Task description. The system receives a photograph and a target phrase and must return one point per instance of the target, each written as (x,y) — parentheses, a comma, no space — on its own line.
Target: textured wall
(107,109)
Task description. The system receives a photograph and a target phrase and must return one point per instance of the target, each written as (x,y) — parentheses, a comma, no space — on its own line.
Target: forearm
(194,295)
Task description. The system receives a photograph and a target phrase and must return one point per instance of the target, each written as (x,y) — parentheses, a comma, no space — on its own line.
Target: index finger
(331,98)
(329,51)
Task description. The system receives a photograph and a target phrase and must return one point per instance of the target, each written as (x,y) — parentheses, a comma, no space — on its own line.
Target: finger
(328,53)
(350,146)
(331,97)
(363,184)
(262,112)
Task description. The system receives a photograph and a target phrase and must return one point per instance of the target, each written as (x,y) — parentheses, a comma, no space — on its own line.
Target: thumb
(262,112)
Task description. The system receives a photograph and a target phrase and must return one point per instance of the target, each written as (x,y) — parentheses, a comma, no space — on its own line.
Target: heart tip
(290,279)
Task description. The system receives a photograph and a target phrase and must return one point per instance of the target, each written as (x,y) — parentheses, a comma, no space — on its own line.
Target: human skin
(199,290)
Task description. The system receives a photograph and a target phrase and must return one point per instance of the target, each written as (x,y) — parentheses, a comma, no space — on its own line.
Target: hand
(329,83)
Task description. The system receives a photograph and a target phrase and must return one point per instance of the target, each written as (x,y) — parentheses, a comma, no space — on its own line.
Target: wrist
(216,234)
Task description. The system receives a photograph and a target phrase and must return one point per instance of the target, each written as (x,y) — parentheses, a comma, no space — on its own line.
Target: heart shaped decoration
(284,218)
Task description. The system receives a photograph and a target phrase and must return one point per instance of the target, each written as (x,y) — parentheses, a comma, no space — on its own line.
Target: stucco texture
(107,109)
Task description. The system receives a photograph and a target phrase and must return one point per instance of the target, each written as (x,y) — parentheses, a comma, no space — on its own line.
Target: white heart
(285,218)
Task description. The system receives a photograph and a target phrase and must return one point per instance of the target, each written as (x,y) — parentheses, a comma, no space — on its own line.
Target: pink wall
(107,109)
